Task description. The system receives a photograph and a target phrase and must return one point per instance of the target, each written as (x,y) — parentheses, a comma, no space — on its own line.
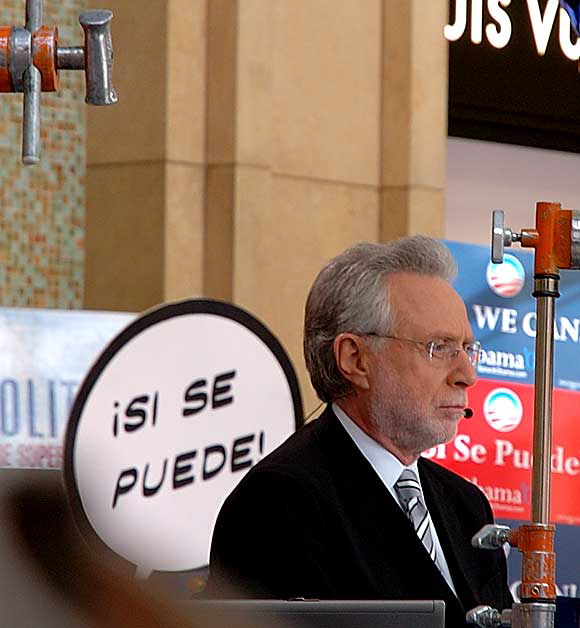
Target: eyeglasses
(441,349)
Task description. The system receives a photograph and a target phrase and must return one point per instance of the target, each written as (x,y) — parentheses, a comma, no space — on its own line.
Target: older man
(346,508)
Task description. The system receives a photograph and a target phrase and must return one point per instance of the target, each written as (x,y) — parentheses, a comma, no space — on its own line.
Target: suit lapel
(364,493)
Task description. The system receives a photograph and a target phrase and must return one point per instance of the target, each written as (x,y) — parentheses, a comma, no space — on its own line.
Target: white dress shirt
(389,469)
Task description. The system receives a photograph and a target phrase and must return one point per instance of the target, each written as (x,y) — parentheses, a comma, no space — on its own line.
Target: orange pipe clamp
(5,79)
(44,47)
(551,238)
(536,543)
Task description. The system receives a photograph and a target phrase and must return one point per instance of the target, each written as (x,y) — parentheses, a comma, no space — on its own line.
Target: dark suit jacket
(314,520)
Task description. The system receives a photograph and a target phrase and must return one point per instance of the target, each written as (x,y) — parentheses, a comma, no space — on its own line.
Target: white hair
(350,295)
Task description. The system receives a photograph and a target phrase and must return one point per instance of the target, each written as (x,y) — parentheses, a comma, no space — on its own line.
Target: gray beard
(411,429)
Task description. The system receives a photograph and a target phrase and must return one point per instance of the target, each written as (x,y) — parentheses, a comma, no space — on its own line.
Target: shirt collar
(387,466)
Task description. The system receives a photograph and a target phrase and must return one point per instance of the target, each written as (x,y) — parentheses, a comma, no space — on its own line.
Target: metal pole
(546,291)
(33,15)
(31,117)
(32,87)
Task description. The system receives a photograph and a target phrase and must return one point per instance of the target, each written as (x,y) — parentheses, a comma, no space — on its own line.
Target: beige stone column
(339,136)
(414,117)
(145,160)
(222,123)
(257,139)
(293,178)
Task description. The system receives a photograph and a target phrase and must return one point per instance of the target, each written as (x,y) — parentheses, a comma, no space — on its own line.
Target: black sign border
(148,319)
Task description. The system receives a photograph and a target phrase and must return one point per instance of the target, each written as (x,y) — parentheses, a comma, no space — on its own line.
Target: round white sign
(174,412)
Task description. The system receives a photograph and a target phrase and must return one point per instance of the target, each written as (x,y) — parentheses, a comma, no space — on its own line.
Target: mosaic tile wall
(42,207)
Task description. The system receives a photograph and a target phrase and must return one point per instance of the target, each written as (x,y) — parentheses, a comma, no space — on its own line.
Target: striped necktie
(410,497)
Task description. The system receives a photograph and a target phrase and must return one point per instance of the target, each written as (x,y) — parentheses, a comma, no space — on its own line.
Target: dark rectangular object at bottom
(567,612)
(323,613)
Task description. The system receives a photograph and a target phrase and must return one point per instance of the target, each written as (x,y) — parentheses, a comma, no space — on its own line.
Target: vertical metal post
(33,15)
(32,87)
(31,117)
(546,291)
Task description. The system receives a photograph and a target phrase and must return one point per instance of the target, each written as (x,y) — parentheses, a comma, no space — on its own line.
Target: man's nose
(463,372)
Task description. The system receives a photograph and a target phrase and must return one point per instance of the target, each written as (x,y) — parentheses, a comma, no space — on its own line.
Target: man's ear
(351,355)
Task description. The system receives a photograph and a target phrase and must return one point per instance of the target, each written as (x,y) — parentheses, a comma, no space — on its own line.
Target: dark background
(513,95)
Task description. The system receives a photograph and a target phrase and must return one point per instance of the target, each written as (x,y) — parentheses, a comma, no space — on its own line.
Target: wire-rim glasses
(441,349)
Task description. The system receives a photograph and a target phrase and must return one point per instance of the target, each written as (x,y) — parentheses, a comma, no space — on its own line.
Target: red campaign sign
(494,448)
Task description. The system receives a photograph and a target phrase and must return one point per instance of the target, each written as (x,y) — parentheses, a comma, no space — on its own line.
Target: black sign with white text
(513,74)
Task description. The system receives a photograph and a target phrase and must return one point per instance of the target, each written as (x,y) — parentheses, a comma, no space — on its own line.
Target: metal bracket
(30,59)
(491,536)
(488,617)
(575,240)
(501,237)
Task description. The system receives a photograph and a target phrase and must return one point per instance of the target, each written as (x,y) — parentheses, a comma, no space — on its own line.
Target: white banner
(44,356)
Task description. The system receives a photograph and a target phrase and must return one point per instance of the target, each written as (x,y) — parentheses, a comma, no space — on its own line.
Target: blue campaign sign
(572,7)
(502,313)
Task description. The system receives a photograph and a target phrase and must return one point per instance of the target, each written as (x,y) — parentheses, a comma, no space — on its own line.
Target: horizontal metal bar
(70,58)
